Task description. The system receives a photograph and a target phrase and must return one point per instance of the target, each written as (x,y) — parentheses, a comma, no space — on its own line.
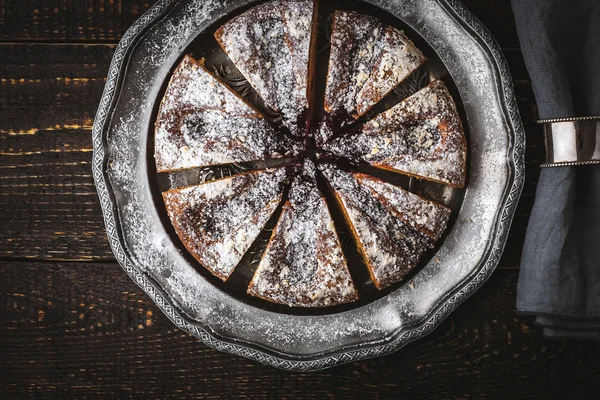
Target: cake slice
(201,122)
(368,60)
(304,265)
(218,221)
(422,136)
(392,228)
(270,45)
(426,216)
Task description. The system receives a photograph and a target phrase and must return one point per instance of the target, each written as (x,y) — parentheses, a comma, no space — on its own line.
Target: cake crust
(218,221)
(201,122)
(422,137)
(303,265)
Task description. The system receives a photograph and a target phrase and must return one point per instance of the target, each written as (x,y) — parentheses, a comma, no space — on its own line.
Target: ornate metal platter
(460,51)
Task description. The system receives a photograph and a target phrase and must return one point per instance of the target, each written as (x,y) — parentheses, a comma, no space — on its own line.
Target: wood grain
(49,87)
(65,21)
(49,94)
(82,330)
(48,201)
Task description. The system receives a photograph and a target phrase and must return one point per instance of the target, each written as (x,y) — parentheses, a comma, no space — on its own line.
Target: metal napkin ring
(572,141)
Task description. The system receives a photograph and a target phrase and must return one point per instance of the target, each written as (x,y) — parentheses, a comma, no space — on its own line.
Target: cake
(304,265)
(270,45)
(426,216)
(218,221)
(422,136)
(202,122)
(392,227)
(368,59)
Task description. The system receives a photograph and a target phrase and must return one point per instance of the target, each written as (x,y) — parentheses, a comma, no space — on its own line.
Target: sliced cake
(422,136)
(270,44)
(304,265)
(201,122)
(428,217)
(368,60)
(218,221)
(392,227)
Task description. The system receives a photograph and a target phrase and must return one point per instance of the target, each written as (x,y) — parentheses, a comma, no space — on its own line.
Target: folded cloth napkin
(559,280)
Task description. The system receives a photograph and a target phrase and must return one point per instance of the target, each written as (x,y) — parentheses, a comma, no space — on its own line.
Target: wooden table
(73,325)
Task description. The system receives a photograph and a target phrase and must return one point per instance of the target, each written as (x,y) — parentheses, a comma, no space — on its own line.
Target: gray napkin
(560,269)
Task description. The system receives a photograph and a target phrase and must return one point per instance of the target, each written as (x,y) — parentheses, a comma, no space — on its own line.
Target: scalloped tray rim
(325,360)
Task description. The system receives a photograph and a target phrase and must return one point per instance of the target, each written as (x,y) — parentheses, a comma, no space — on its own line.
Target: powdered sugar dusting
(323,133)
(201,122)
(353,46)
(218,221)
(368,59)
(424,215)
(304,264)
(390,246)
(421,136)
(397,59)
(270,45)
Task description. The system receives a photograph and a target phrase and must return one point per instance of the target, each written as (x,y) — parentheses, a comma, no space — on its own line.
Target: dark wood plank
(52,60)
(49,95)
(85,330)
(48,201)
(48,87)
(60,20)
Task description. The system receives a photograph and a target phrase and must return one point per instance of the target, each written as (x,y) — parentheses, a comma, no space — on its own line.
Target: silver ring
(572,141)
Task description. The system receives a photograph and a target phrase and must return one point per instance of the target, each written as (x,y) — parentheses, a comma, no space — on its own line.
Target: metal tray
(460,51)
